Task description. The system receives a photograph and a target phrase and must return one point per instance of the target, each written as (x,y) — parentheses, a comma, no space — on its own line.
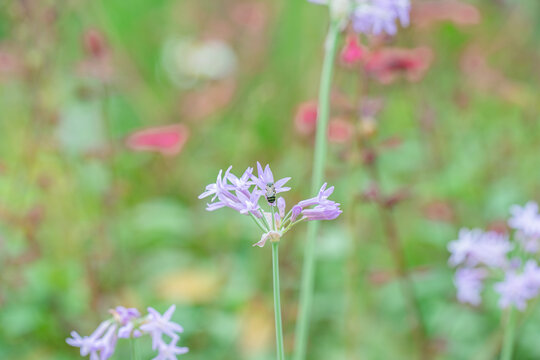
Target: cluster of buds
(127,323)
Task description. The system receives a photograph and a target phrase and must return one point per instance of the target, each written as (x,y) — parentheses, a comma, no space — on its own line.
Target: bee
(270,193)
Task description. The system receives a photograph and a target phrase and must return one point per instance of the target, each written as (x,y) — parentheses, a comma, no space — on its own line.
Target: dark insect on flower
(270,193)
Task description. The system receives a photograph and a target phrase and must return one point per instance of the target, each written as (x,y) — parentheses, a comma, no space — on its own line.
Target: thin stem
(133,351)
(265,220)
(273,217)
(509,335)
(258,222)
(398,257)
(405,281)
(319,160)
(277,304)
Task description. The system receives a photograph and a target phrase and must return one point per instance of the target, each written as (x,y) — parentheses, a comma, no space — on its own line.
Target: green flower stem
(277,304)
(133,351)
(273,217)
(509,335)
(258,222)
(319,160)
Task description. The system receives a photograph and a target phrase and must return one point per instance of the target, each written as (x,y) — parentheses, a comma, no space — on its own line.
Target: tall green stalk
(319,162)
(509,335)
(133,350)
(277,304)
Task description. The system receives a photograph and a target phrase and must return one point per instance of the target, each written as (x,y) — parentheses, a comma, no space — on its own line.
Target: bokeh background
(92,217)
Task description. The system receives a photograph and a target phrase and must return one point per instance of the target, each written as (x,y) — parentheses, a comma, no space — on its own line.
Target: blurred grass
(86,225)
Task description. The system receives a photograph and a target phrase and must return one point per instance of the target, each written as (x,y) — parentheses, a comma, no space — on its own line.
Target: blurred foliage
(87,224)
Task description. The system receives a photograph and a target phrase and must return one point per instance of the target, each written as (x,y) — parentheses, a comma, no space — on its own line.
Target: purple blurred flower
(475,247)
(158,324)
(124,317)
(469,284)
(90,345)
(481,254)
(169,351)
(514,290)
(128,323)
(525,219)
(376,16)
(532,272)
(107,343)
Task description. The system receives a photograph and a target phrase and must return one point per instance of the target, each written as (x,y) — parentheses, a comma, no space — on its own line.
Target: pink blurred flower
(352,52)
(305,120)
(251,16)
(205,101)
(427,13)
(340,131)
(481,75)
(167,140)
(10,64)
(97,63)
(94,43)
(388,63)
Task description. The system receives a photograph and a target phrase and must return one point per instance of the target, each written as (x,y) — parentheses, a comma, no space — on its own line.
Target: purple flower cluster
(128,323)
(244,194)
(526,221)
(376,16)
(482,256)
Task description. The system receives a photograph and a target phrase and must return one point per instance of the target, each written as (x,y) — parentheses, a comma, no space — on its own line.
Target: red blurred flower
(386,64)
(98,63)
(340,131)
(9,63)
(305,120)
(352,52)
(251,16)
(482,76)
(94,43)
(168,140)
(424,14)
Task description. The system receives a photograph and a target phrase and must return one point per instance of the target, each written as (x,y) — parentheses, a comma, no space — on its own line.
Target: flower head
(265,177)
(158,325)
(469,284)
(481,255)
(475,247)
(526,219)
(372,17)
(244,193)
(170,351)
(128,323)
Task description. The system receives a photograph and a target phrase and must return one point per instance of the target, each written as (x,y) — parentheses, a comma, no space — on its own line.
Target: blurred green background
(87,224)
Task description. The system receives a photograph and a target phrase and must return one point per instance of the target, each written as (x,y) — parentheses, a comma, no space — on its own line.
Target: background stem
(508,343)
(319,160)
(277,304)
